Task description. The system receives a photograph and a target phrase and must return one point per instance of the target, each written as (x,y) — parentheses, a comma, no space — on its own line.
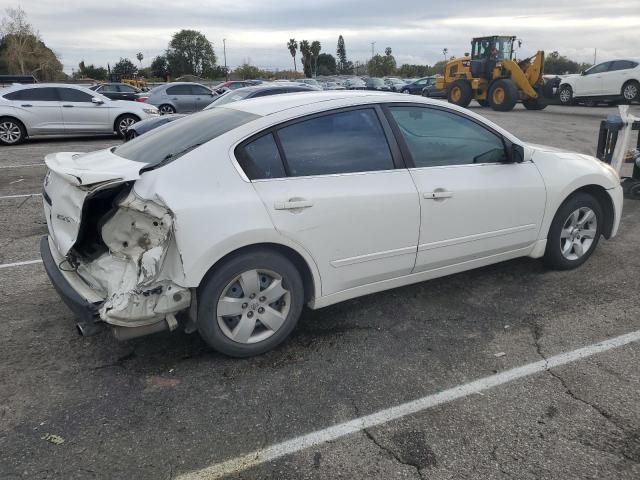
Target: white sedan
(237,216)
(607,81)
(62,109)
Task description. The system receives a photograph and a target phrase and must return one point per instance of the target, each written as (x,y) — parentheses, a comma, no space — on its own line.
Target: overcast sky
(258,30)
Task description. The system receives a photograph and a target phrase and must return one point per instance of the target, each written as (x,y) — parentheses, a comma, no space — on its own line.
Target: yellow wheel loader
(492,77)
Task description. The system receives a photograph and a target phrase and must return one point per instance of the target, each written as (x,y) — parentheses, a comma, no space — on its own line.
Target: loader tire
(503,95)
(460,93)
(533,104)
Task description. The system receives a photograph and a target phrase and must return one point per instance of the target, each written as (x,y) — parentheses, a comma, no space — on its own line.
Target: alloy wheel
(125,123)
(630,91)
(10,132)
(578,233)
(166,109)
(565,95)
(253,306)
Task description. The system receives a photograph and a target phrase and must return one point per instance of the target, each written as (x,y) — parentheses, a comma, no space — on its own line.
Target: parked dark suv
(117,91)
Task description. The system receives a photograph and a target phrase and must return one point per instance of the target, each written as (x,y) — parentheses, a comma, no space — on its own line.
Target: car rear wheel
(574,233)
(503,95)
(166,109)
(406,91)
(250,304)
(123,122)
(12,132)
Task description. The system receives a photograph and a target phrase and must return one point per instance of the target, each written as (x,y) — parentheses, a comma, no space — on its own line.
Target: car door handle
(26,105)
(438,194)
(67,106)
(293,204)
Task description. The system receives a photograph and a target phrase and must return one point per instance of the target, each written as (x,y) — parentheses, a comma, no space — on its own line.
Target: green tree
(159,67)
(91,71)
(326,64)
(190,53)
(382,65)
(292,45)
(23,52)
(305,52)
(124,68)
(557,64)
(438,67)
(341,52)
(140,56)
(315,51)
(247,71)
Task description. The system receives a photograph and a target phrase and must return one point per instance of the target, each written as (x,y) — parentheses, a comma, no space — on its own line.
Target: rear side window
(171,141)
(623,65)
(179,90)
(436,138)
(261,159)
(73,95)
(46,94)
(341,142)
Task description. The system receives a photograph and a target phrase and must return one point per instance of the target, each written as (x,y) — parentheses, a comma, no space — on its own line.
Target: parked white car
(239,215)
(607,81)
(61,109)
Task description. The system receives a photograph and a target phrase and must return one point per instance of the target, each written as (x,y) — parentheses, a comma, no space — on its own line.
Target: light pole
(224,50)
(373,44)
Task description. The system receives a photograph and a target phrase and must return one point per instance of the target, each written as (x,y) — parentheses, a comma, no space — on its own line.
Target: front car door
(202,96)
(127,92)
(590,82)
(474,204)
(39,108)
(81,115)
(181,98)
(332,184)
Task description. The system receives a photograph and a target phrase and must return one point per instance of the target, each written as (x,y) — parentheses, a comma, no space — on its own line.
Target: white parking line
(303,442)
(23,166)
(18,264)
(20,196)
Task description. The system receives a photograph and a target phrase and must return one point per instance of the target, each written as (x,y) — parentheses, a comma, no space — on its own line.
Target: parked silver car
(181,97)
(61,109)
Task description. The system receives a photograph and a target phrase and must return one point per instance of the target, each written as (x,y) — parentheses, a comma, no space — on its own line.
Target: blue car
(415,88)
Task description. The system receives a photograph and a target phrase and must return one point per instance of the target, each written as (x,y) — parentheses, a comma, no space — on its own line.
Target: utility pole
(373,44)
(224,49)
(595,55)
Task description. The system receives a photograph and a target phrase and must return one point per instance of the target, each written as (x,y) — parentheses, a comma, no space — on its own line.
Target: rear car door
(81,115)
(182,98)
(473,203)
(332,183)
(39,108)
(619,72)
(127,92)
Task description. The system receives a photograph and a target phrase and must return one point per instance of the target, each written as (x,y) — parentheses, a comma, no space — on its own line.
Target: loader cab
(493,48)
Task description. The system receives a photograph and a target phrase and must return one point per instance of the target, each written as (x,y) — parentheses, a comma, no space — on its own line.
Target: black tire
(215,283)
(534,104)
(503,95)
(630,91)
(130,135)
(12,131)
(460,93)
(565,95)
(483,103)
(123,122)
(553,256)
(405,91)
(166,109)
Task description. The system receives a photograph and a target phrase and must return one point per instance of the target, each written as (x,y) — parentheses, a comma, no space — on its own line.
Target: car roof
(44,85)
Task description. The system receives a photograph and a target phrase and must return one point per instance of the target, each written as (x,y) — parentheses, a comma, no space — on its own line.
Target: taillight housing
(141,99)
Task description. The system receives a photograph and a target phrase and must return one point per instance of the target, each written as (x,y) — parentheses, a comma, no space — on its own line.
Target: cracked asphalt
(165,405)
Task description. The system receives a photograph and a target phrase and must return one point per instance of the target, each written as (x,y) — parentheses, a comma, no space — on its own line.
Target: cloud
(101,33)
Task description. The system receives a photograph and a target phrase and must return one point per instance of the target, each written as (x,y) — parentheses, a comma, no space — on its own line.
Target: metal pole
(373,44)
(224,49)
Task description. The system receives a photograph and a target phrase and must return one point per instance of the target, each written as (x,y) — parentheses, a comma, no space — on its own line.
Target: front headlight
(150,111)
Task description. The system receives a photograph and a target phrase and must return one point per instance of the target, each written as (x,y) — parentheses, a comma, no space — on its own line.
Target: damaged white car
(230,220)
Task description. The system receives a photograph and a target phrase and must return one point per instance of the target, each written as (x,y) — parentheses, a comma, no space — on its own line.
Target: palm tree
(139,56)
(305,52)
(315,51)
(292,45)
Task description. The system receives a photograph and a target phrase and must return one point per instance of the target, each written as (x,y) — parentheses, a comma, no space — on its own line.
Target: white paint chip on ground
(19,264)
(334,432)
(24,195)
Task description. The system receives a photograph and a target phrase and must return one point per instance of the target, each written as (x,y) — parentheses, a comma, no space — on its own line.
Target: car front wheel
(565,95)
(574,232)
(250,304)
(11,131)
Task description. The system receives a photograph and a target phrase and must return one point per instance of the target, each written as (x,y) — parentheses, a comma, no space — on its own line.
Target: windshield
(171,141)
(229,97)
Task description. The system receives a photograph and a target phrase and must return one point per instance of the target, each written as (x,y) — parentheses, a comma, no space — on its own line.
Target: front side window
(179,90)
(343,142)
(127,89)
(46,94)
(261,159)
(603,67)
(437,138)
(200,90)
(73,95)
(108,88)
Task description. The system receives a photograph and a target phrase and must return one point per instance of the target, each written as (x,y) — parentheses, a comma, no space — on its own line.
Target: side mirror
(516,153)
(96,101)
(583,72)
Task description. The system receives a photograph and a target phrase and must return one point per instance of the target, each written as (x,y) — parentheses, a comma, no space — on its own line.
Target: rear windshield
(171,141)
(229,97)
